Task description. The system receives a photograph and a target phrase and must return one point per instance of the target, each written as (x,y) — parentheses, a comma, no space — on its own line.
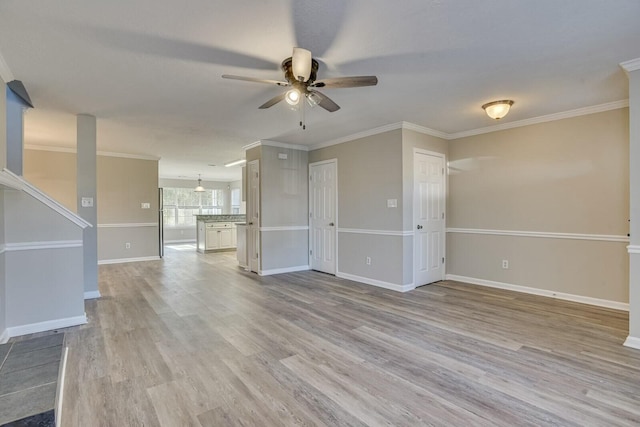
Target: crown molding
(425,130)
(542,119)
(252,145)
(5,73)
(358,135)
(98,153)
(270,143)
(632,65)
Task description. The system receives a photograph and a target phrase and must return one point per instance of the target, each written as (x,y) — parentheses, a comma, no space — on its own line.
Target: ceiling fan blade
(342,82)
(326,102)
(273,101)
(252,79)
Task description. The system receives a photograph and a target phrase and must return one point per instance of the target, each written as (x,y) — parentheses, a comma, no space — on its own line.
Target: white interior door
(253,215)
(322,216)
(428,217)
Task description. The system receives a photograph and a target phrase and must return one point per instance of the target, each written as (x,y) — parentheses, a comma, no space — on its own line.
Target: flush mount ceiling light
(497,109)
(235,163)
(199,188)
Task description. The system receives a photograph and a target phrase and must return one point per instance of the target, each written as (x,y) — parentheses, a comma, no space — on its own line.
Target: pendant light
(497,109)
(199,188)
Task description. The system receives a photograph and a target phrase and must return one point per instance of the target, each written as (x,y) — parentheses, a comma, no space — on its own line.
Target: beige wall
(565,176)
(123,184)
(55,173)
(370,171)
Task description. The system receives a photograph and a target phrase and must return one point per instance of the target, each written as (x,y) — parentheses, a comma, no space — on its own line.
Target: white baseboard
(173,242)
(542,292)
(284,270)
(123,260)
(632,342)
(49,325)
(92,295)
(378,283)
(4,336)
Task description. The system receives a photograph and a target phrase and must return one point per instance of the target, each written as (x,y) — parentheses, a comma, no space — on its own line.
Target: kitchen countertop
(222,218)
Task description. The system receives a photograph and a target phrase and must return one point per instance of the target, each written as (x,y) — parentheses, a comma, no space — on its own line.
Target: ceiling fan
(300,75)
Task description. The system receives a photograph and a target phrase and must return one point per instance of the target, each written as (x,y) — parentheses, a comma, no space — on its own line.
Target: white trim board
(124,260)
(541,292)
(4,336)
(48,201)
(34,246)
(378,283)
(73,150)
(49,325)
(375,232)
(92,295)
(542,234)
(286,228)
(129,225)
(631,65)
(277,144)
(283,270)
(633,249)
(173,242)
(60,391)
(632,342)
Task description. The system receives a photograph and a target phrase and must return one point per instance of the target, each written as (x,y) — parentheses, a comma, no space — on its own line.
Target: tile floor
(28,380)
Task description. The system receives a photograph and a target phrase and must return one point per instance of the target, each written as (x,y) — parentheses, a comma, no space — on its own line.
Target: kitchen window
(180,205)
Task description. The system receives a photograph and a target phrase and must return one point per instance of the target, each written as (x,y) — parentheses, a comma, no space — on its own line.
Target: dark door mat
(47,419)
(29,372)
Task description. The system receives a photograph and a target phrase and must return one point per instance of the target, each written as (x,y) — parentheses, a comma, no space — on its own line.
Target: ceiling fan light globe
(292,97)
(313,99)
(301,64)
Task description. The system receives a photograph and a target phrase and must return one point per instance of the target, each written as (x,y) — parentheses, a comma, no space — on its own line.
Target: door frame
(335,204)
(445,192)
(253,229)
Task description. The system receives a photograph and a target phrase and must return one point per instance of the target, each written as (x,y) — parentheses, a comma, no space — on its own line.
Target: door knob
(419,227)
(331,224)
(251,223)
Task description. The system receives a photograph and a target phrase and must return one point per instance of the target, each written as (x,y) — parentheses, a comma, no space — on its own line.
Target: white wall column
(87,200)
(633,71)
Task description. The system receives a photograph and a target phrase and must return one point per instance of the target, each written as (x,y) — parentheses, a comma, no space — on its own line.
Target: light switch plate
(146,205)
(282,156)
(392,203)
(87,202)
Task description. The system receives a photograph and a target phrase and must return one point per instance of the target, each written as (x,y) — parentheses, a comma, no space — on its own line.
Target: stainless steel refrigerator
(160,222)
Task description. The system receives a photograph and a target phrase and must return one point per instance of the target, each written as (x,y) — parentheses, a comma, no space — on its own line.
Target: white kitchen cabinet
(217,236)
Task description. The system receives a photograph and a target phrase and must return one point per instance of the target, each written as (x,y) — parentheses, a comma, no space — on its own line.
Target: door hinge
(310,215)
(443,260)
(310,178)
(442,215)
(311,252)
(442,171)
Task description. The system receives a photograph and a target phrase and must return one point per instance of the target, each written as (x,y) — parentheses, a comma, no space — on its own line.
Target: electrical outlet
(505,264)
(127,245)
(368,260)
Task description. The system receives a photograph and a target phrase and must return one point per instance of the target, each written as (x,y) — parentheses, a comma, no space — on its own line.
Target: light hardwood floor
(194,341)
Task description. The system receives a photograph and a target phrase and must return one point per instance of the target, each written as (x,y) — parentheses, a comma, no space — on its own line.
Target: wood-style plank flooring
(194,341)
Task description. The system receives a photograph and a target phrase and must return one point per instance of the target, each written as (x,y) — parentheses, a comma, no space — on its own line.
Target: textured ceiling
(149,70)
